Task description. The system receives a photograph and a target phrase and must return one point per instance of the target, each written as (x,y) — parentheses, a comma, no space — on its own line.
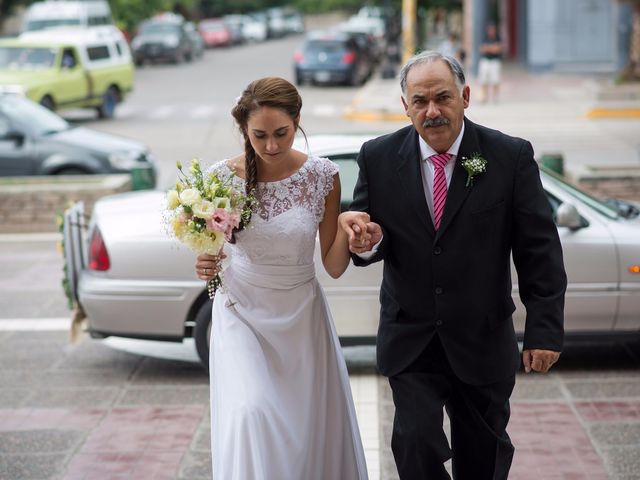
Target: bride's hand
(208,266)
(356,226)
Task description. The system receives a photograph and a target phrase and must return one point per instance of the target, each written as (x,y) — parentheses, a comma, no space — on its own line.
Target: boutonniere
(474,165)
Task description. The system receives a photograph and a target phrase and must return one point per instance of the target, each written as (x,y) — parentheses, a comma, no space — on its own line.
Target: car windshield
(159,28)
(23,58)
(598,205)
(31,116)
(328,46)
(212,26)
(34,25)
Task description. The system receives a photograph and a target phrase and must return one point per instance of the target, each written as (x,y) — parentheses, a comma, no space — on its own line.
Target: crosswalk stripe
(34,324)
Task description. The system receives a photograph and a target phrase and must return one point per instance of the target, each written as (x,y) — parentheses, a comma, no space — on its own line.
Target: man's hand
(539,360)
(361,232)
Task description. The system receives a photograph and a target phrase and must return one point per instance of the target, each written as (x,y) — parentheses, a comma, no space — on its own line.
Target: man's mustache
(435,122)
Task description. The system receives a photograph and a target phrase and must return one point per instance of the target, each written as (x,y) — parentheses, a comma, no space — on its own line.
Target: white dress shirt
(427,170)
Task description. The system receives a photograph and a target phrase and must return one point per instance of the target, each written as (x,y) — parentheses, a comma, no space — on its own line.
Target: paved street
(116,409)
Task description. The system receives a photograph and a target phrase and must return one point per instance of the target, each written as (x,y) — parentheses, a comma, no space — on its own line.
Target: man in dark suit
(446,233)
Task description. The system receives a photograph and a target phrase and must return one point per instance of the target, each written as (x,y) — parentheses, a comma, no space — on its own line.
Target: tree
(7,8)
(632,71)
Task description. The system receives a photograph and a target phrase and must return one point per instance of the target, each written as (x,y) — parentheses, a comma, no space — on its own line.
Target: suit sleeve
(361,203)
(537,255)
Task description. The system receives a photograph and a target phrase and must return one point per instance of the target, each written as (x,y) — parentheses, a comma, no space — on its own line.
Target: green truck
(69,67)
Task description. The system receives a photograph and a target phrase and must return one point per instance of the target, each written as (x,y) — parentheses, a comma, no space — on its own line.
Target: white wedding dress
(281,405)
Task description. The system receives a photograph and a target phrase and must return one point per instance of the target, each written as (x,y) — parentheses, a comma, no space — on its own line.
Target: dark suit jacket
(456,283)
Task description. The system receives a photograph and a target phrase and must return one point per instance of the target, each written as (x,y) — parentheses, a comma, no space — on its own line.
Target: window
(100,52)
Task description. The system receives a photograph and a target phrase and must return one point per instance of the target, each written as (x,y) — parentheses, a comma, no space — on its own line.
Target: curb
(371,116)
(597,113)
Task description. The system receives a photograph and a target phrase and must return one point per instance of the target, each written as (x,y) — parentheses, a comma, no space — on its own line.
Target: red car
(215,32)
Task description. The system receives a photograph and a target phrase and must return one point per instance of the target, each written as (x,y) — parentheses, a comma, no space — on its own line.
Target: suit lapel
(411,179)
(458,191)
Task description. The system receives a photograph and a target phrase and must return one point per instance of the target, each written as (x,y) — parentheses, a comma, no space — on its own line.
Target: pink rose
(224,222)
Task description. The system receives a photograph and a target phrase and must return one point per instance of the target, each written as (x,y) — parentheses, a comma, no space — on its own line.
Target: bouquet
(203,212)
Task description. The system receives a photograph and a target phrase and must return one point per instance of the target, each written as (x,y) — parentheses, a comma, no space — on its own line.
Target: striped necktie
(439,186)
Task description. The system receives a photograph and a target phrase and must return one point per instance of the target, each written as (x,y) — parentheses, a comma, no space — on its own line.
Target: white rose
(203,209)
(189,196)
(221,202)
(173,200)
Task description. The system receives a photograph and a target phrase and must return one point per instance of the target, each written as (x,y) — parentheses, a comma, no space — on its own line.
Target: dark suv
(163,37)
(332,57)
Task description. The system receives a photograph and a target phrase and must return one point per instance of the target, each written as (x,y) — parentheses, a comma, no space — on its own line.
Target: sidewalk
(89,411)
(581,117)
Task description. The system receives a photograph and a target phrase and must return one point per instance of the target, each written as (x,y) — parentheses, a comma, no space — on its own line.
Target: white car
(133,280)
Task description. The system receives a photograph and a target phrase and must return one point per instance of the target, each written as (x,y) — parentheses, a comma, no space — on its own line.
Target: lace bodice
(285,220)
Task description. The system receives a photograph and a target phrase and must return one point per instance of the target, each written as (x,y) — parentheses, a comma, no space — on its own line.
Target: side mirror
(567,216)
(14,136)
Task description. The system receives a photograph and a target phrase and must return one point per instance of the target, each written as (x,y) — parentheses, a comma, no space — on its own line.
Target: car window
(31,117)
(593,202)
(348,176)
(5,127)
(27,58)
(98,52)
(160,28)
(327,46)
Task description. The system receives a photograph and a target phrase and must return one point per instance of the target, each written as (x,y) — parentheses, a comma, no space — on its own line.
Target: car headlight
(13,89)
(136,43)
(124,160)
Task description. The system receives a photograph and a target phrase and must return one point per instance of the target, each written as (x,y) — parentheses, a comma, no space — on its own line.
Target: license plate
(322,76)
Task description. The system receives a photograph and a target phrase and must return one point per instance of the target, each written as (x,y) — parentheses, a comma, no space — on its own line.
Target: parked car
(36,141)
(163,38)
(196,39)
(215,32)
(236,24)
(69,68)
(330,58)
(256,27)
(126,291)
(51,14)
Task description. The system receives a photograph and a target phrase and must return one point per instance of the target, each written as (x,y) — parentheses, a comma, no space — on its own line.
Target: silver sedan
(134,280)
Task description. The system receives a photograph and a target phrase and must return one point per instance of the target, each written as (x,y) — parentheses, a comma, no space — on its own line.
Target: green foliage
(7,7)
(129,13)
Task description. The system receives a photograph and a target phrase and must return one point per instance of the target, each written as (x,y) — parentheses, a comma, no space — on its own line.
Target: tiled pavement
(91,412)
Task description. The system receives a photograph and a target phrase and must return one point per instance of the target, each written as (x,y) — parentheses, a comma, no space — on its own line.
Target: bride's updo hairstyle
(274,92)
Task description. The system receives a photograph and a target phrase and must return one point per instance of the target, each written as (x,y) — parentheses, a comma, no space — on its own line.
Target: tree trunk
(634,48)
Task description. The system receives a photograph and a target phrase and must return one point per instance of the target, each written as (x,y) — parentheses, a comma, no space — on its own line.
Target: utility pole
(408,29)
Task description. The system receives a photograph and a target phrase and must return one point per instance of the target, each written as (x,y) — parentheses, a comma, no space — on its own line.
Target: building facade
(554,35)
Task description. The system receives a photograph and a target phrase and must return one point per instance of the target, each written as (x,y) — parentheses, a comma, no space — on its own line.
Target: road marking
(203,111)
(162,112)
(35,324)
(324,111)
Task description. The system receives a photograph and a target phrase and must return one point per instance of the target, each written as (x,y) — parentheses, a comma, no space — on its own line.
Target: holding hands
(362,233)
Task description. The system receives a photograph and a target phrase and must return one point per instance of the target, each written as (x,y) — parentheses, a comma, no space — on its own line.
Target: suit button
(437,250)
(438,323)
(438,290)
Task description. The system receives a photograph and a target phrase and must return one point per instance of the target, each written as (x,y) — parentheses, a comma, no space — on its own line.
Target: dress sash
(278,277)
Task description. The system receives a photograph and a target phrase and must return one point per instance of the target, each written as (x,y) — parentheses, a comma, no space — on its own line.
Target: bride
(281,405)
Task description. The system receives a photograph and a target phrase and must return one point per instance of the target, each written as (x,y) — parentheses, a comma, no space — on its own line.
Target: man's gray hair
(429,56)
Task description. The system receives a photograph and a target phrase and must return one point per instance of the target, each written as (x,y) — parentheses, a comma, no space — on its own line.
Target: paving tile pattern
(89,412)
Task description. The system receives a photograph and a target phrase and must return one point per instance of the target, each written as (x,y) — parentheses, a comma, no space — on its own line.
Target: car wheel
(109,102)
(47,102)
(202,332)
